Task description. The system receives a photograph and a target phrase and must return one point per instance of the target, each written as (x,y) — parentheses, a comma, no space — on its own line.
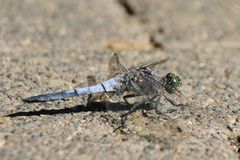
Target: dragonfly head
(173,82)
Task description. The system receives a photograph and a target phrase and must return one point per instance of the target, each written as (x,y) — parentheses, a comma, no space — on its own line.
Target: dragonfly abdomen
(107,86)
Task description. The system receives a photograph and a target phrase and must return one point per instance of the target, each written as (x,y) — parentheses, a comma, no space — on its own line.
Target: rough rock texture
(54,45)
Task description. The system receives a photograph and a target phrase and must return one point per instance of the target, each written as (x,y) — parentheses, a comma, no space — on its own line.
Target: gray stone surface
(55,45)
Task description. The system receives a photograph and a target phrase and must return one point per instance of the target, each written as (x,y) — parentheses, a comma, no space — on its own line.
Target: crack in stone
(128,7)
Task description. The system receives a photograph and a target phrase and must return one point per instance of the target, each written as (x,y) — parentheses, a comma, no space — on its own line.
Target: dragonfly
(143,82)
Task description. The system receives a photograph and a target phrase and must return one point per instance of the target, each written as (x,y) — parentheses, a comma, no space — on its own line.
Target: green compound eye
(169,75)
(173,82)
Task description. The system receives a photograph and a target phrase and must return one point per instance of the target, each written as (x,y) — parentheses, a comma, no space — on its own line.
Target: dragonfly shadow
(93,107)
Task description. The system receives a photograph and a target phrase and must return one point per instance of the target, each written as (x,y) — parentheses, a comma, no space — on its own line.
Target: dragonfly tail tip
(27,100)
(30,100)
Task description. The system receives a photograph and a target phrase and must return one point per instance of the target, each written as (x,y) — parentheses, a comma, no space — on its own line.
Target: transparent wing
(154,64)
(114,66)
(91,80)
(176,98)
(144,88)
(147,84)
(138,95)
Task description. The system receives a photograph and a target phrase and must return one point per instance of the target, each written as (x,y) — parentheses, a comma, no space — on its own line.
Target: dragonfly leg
(158,105)
(155,104)
(128,96)
(125,115)
(172,101)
